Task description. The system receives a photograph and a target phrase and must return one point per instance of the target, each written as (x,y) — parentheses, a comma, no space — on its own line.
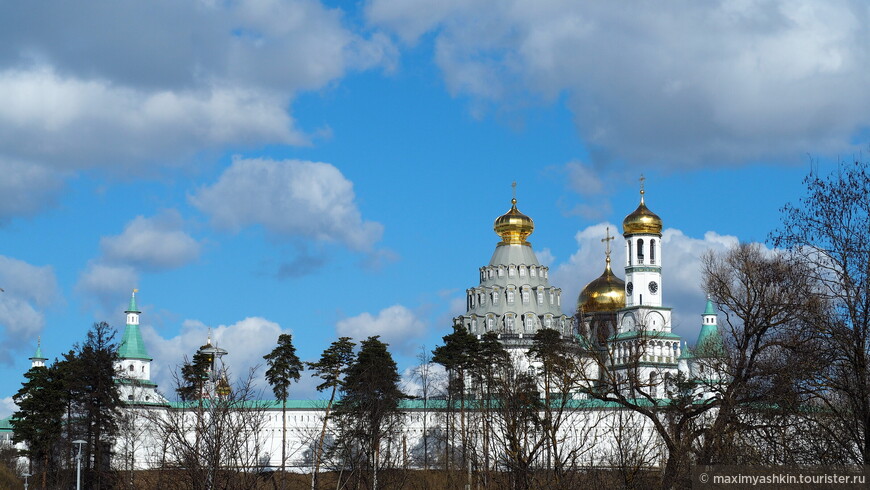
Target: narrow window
(629,251)
(640,251)
(652,251)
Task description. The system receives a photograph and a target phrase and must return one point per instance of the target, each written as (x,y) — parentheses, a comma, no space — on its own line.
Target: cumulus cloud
(28,291)
(684,84)
(290,198)
(681,271)
(397,326)
(247,341)
(105,286)
(152,243)
(26,189)
(121,86)
(7,407)
(146,244)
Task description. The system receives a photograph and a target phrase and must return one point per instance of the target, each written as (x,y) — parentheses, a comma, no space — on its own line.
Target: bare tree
(829,229)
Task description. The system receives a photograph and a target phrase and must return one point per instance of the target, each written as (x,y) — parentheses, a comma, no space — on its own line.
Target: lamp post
(79,442)
(26,476)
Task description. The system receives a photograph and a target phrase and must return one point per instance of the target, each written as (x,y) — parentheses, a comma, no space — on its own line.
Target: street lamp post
(26,476)
(79,442)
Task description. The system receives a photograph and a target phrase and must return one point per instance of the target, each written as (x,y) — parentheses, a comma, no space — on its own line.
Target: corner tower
(514,297)
(133,367)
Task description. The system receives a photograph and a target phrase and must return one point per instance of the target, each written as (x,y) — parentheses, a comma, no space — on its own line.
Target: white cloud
(105,285)
(73,122)
(26,189)
(288,198)
(146,244)
(681,84)
(7,407)
(28,291)
(157,243)
(246,341)
(681,271)
(397,326)
(123,87)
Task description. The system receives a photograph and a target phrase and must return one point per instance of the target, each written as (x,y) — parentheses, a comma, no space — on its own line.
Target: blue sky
(334,168)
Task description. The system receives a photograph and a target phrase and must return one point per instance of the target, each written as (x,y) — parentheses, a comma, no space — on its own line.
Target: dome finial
(606,240)
(642,180)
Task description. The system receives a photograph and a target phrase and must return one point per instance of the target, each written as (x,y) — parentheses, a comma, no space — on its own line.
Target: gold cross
(514,185)
(642,179)
(607,241)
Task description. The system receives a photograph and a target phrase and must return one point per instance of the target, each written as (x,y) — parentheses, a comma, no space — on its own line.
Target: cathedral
(622,325)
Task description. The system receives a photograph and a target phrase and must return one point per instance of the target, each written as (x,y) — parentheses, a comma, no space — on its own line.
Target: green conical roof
(37,356)
(132,308)
(709,342)
(685,353)
(709,310)
(132,346)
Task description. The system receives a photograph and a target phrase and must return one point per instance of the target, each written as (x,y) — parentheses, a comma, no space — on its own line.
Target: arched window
(653,385)
(652,251)
(640,251)
(629,252)
(131,368)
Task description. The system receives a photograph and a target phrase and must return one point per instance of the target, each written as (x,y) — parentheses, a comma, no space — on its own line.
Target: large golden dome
(514,227)
(604,294)
(642,220)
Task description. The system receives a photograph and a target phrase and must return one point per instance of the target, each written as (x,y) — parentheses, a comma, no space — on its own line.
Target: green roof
(709,310)
(6,424)
(709,341)
(37,356)
(132,308)
(132,346)
(685,353)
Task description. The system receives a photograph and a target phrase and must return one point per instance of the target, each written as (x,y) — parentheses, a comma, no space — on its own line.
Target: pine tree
(284,367)
(38,421)
(193,375)
(458,355)
(331,368)
(371,399)
(99,403)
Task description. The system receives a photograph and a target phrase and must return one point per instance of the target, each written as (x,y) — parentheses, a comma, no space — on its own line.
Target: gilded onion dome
(604,294)
(514,227)
(642,220)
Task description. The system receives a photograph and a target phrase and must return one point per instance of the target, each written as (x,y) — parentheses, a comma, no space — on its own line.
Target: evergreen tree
(98,403)
(38,421)
(458,355)
(370,402)
(284,367)
(194,374)
(331,368)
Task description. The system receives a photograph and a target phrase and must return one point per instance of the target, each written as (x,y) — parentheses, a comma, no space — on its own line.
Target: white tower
(134,363)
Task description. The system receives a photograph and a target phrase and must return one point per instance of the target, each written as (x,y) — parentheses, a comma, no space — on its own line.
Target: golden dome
(604,294)
(514,227)
(642,220)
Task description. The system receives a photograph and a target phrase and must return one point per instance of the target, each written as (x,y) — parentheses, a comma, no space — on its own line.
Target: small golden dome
(604,294)
(514,227)
(642,220)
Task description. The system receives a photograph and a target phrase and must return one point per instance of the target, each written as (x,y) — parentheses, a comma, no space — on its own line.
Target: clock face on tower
(629,288)
(653,287)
